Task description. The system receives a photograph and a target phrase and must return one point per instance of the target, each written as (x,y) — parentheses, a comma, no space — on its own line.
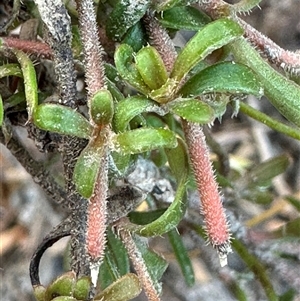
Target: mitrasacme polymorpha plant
(100,137)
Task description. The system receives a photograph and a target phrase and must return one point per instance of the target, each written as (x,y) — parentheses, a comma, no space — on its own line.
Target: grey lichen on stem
(59,37)
(58,23)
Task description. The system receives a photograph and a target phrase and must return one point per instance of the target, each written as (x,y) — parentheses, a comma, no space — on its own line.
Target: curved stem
(270,122)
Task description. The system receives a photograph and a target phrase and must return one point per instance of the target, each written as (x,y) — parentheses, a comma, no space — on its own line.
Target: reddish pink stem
(38,48)
(211,203)
(97,220)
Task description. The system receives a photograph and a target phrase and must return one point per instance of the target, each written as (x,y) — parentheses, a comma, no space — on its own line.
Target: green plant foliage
(125,14)
(262,174)
(10,70)
(151,67)
(294,201)
(116,262)
(270,122)
(1,111)
(124,60)
(63,120)
(143,140)
(64,298)
(82,288)
(76,42)
(135,37)
(290,229)
(281,92)
(213,36)
(30,82)
(87,167)
(192,110)
(39,292)
(61,286)
(170,218)
(182,257)
(131,107)
(183,17)
(156,265)
(117,291)
(102,107)
(149,99)
(232,78)
(167,4)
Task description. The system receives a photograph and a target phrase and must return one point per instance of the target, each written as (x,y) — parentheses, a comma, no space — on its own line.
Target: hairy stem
(94,71)
(211,203)
(139,264)
(32,47)
(160,40)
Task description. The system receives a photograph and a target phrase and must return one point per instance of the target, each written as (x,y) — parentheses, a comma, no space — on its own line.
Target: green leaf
(39,292)
(30,82)
(1,111)
(165,92)
(258,196)
(193,110)
(224,77)
(124,60)
(87,167)
(130,107)
(281,92)
(116,261)
(289,229)
(135,37)
(125,14)
(263,173)
(64,298)
(82,288)
(10,70)
(183,17)
(15,99)
(182,257)
(289,295)
(102,107)
(145,217)
(125,288)
(178,161)
(151,67)
(213,36)
(167,4)
(143,140)
(294,201)
(63,120)
(61,286)
(156,265)
(115,92)
(169,219)
(77,48)
(111,73)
